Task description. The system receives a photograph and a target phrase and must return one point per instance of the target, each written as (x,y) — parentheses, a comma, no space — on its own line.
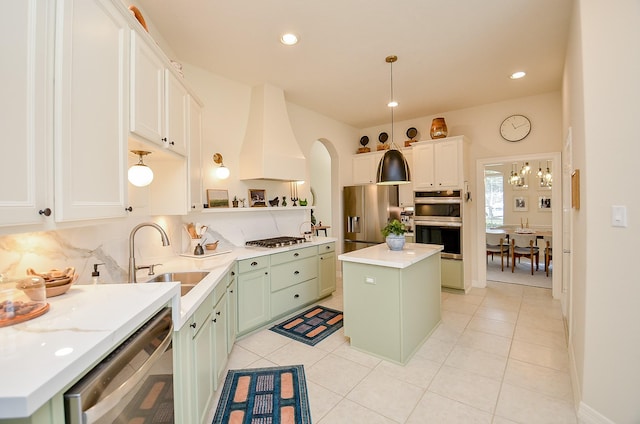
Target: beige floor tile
(539,355)
(497,314)
(435,349)
(502,289)
(466,387)
(240,358)
(456,319)
(321,400)
(456,305)
(337,374)
(447,333)
(262,363)
(492,326)
(418,371)
(296,353)
(526,406)
(501,420)
(436,409)
(548,311)
(263,342)
(486,342)
(540,379)
(541,322)
(386,395)
(477,361)
(502,302)
(347,352)
(348,412)
(550,339)
(332,342)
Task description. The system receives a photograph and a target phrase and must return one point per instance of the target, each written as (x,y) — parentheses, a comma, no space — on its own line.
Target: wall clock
(515,128)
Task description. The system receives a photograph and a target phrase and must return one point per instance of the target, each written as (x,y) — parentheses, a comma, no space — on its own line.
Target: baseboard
(588,415)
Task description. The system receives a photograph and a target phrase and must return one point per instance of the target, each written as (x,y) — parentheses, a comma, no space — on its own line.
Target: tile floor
(499,356)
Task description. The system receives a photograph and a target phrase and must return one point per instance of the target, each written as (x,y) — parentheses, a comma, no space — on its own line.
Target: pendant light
(393,167)
(140,175)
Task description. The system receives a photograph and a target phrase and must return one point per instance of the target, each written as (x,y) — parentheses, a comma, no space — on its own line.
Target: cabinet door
(405,191)
(365,167)
(423,172)
(232,312)
(147,91)
(448,164)
(203,369)
(219,328)
(90,141)
(176,121)
(196,191)
(327,277)
(25,106)
(253,299)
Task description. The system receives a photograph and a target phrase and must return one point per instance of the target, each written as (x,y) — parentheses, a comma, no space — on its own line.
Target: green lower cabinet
(51,412)
(326,274)
(219,336)
(232,311)
(253,300)
(452,273)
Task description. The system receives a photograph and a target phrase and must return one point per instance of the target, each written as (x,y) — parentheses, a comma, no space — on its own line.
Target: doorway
(321,185)
(526,200)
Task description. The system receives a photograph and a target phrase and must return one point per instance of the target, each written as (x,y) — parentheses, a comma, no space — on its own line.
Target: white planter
(395,242)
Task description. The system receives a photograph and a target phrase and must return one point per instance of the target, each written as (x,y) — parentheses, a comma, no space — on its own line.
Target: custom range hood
(270,151)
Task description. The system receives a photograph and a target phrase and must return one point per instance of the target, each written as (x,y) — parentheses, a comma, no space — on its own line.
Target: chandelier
(518,176)
(546,178)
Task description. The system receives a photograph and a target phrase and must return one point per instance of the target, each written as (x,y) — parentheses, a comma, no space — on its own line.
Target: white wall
(321,182)
(604,54)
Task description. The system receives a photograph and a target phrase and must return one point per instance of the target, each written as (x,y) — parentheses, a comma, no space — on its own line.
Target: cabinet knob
(45,212)
(129,209)
(164,139)
(296,272)
(322,258)
(296,296)
(192,325)
(266,273)
(230,291)
(218,313)
(254,263)
(214,320)
(327,247)
(172,143)
(296,254)
(193,206)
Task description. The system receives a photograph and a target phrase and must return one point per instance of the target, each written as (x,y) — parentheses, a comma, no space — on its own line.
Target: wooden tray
(26,317)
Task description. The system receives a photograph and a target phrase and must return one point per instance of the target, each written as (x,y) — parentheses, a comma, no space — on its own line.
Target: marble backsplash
(108,243)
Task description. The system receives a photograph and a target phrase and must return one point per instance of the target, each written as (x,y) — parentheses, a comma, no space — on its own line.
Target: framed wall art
(520,204)
(257,198)
(217,198)
(544,203)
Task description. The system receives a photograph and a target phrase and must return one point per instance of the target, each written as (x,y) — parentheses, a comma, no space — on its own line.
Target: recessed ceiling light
(392,103)
(289,39)
(518,75)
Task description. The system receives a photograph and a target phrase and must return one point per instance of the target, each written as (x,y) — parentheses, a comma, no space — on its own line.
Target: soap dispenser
(95,275)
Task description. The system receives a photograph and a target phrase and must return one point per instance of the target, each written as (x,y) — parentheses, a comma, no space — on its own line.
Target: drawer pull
(233,273)
(218,313)
(230,291)
(327,247)
(192,325)
(296,273)
(254,263)
(296,254)
(296,296)
(321,258)
(214,320)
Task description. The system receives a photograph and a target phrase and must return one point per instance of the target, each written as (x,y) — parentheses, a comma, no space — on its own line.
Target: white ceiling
(452,54)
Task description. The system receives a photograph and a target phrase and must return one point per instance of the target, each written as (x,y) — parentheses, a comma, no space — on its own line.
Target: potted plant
(394,234)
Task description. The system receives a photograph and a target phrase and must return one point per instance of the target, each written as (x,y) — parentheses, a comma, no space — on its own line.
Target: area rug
(522,274)
(153,404)
(264,396)
(311,326)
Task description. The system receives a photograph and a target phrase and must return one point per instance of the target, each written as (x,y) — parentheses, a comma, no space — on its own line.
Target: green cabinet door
(327,274)
(253,299)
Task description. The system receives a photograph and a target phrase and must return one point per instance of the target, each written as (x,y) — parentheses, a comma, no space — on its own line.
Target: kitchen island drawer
(294,297)
(252,264)
(292,255)
(291,273)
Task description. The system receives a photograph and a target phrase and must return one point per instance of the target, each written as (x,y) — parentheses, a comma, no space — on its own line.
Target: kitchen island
(391,298)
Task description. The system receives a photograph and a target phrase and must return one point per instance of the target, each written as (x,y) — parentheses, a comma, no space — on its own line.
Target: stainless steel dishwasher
(134,383)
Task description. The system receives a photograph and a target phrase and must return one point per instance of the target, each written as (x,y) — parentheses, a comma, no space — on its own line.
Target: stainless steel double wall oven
(438,220)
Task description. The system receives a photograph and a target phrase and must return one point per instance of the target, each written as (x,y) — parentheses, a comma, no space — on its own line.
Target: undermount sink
(188,279)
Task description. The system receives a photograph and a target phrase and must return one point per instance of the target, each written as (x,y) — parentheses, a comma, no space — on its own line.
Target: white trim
(588,415)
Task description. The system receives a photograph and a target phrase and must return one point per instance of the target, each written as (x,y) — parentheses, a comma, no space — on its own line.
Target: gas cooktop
(276,242)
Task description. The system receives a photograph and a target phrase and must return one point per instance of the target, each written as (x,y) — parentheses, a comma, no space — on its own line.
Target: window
(493,198)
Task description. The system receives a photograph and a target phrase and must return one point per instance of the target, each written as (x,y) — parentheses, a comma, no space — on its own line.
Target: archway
(323,184)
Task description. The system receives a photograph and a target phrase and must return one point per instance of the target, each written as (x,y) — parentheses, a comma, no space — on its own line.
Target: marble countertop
(42,356)
(381,255)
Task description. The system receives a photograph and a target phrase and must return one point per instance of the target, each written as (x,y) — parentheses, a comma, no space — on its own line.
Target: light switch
(618,216)
(370,280)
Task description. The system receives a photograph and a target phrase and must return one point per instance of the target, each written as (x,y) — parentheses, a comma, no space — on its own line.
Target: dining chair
(524,245)
(496,244)
(548,253)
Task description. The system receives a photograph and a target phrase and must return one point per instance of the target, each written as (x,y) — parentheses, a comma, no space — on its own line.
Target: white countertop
(381,255)
(91,320)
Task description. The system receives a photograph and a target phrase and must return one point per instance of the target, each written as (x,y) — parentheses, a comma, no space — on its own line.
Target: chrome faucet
(132,260)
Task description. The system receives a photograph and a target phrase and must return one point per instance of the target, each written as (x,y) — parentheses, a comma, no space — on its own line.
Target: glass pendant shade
(140,175)
(222,172)
(393,169)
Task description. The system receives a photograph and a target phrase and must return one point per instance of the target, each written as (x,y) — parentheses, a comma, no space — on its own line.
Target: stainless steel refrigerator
(367,209)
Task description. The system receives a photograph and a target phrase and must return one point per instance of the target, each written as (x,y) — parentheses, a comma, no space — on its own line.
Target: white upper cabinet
(365,166)
(25,110)
(90,138)
(158,99)
(438,164)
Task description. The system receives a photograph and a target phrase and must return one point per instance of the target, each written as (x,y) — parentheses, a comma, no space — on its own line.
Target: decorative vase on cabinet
(439,128)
